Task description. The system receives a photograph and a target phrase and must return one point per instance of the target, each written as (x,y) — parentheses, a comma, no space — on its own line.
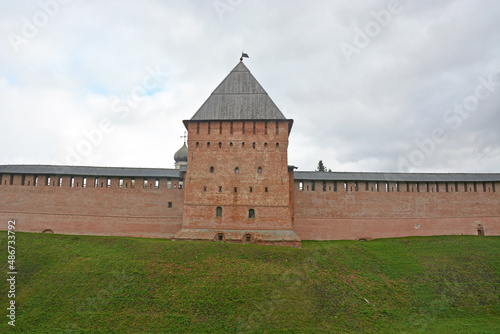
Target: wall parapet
(396,182)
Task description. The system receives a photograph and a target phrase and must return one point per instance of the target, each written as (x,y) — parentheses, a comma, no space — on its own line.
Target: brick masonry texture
(235,167)
(314,215)
(347,214)
(113,211)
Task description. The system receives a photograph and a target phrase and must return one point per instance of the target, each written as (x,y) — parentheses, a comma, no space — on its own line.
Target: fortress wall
(343,210)
(417,209)
(122,209)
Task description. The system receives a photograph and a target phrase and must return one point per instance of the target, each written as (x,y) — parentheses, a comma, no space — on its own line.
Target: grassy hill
(79,284)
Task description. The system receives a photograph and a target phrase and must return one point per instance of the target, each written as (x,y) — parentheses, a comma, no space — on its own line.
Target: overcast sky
(371,85)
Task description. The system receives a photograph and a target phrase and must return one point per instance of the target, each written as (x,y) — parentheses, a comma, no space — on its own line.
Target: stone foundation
(260,237)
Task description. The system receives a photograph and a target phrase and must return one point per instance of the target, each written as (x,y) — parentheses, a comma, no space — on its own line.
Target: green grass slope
(81,284)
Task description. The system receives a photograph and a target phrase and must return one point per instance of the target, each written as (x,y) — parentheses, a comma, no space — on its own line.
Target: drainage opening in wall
(220,236)
(248,237)
(48,231)
(480,232)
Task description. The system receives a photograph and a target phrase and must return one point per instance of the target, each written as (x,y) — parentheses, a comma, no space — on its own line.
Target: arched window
(212,169)
(218,212)
(265,145)
(253,145)
(277,145)
(236,170)
(259,170)
(251,213)
(208,144)
(220,145)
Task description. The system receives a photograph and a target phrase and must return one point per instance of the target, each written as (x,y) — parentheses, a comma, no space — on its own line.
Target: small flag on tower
(243,55)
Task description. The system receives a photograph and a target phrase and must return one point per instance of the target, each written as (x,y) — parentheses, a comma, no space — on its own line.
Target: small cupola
(181,156)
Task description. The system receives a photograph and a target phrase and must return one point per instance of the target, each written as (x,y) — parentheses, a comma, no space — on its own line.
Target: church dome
(181,154)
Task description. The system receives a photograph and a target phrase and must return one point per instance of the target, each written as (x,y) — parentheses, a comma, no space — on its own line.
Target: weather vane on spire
(243,55)
(185,136)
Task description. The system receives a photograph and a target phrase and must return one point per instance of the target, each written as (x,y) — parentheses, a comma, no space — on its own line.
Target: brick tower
(238,185)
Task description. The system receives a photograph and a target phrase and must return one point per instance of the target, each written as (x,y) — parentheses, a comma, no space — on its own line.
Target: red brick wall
(117,211)
(341,214)
(232,147)
(319,215)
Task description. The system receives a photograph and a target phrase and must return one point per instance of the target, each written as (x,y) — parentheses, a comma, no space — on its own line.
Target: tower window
(253,127)
(251,213)
(212,169)
(157,183)
(120,182)
(169,204)
(220,127)
(209,128)
(265,189)
(259,170)
(231,144)
(197,144)
(243,144)
(253,145)
(220,188)
(277,128)
(265,127)
(265,145)
(251,189)
(169,183)
(236,170)
(243,128)
(231,128)
(277,145)
(301,185)
(204,188)
(208,144)
(197,128)
(218,212)
(220,145)
(235,189)
(145,183)
(132,183)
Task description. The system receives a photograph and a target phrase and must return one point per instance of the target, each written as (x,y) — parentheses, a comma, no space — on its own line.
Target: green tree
(321,167)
